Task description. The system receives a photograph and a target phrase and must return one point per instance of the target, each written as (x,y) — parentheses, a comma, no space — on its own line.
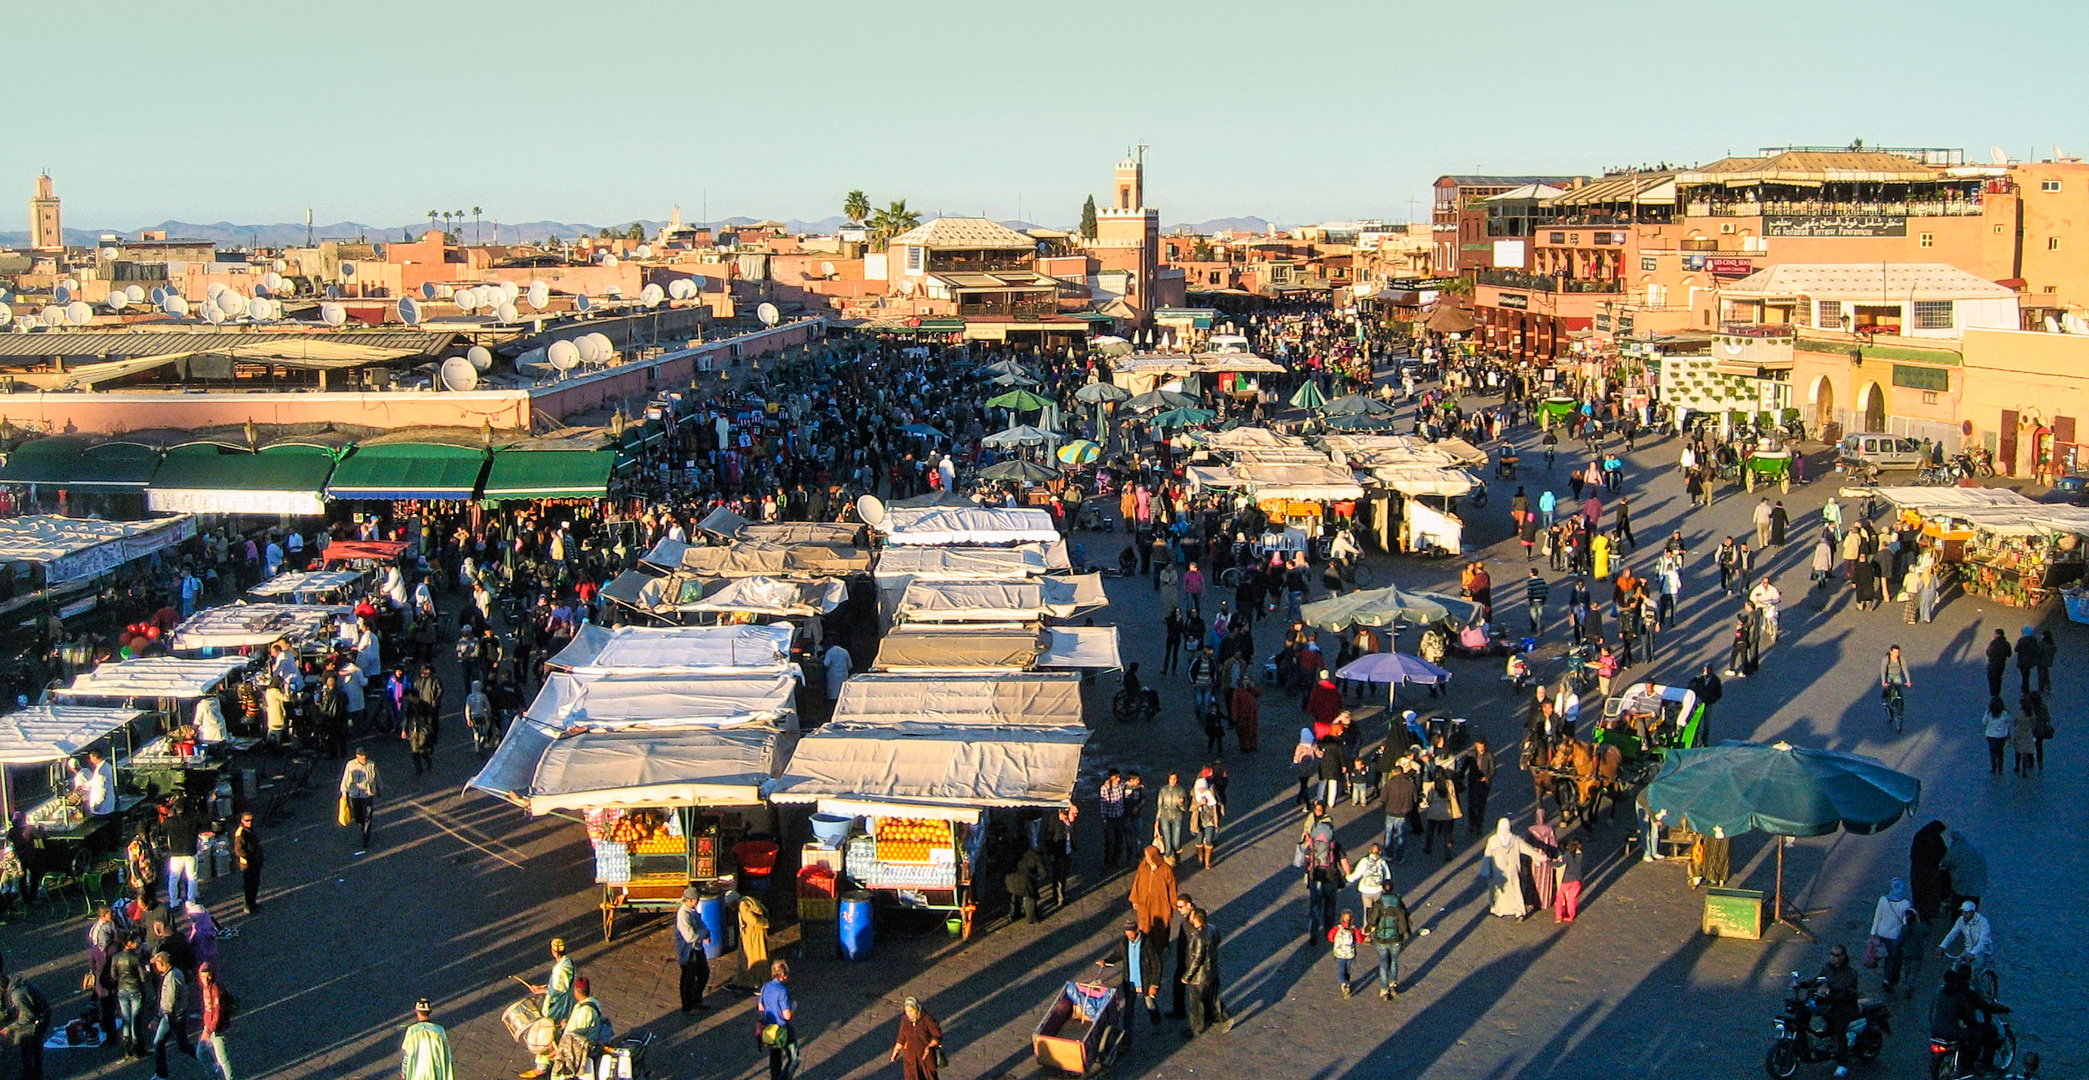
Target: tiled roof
(965,234)
(1859,281)
(1650,187)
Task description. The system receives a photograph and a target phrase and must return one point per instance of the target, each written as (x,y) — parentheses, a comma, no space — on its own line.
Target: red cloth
(1323,704)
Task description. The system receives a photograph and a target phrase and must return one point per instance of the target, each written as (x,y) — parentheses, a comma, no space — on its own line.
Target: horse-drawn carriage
(1764,467)
(1638,728)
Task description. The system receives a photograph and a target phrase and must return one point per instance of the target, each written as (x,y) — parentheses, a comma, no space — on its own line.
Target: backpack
(1320,847)
(1395,912)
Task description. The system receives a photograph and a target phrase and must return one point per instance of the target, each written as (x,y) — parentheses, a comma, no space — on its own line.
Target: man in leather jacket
(1960,1014)
(1839,980)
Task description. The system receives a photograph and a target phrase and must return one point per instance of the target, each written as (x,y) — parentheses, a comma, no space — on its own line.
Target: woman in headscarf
(1205,812)
(202,933)
(1888,920)
(1153,891)
(1926,885)
(920,1038)
(1502,869)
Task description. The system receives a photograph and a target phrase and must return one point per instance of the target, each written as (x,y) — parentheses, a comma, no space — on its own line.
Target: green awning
(240,483)
(106,467)
(549,474)
(408,471)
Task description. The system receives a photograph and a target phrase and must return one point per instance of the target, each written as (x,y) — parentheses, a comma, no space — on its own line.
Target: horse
(1551,772)
(1595,771)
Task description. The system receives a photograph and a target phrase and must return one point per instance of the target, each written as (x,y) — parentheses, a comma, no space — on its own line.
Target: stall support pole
(1797,919)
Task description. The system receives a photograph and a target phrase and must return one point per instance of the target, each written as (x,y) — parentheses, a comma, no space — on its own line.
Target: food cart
(310,587)
(661,769)
(1765,467)
(37,745)
(1556,410)
(920,760)
(186,695)
(364,555)
(249,629)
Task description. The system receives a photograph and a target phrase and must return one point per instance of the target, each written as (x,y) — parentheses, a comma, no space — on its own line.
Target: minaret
(1132,226)
(45,231)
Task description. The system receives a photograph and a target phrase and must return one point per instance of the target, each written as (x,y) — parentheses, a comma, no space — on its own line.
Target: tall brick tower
(46,232)
(1128,232)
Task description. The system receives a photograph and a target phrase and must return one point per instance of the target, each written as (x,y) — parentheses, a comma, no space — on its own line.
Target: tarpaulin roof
(42,733)
(772,596)
(155,677)
(241,483)
(304,582)
(545,770)
(1282,481)
(237,626)
(961,563)
(572,700)
(76,548)
(982,701)
(721,522)
(1083,647)
(1361,450)
(745,559)
(1247,438)
(82,466)
(841,533)
(959,525)
(549,474)
(1423,480)
(941,648)
(684,649)
(408,471)
(1998,510)
(997,601)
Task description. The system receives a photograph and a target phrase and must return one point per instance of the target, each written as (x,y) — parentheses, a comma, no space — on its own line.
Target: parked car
(1882,451)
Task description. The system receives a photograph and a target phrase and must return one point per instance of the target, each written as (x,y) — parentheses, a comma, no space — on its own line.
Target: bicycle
(1980,973)
(1896,701)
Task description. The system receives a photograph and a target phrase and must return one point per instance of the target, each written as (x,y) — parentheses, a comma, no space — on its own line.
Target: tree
(1088,218)
(856,207)
(432,215)
(475,212)
(637,231)
(406,236)
(603,233)
(892,221)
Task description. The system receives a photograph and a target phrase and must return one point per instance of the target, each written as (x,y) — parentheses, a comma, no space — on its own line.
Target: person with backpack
(1320,856)
(1345,935)
(1370,875)
(27,1022)
(1390,931)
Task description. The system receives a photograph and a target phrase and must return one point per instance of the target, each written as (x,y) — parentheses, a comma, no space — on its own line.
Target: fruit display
(910,840)
(643,832)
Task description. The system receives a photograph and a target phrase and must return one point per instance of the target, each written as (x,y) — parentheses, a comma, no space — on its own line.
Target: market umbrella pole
(1797,919)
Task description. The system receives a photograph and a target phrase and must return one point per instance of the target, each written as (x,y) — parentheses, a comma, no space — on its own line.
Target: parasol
(1019,469)
(1019,400)
(1308,396)
(1392,667)
(1357,405)
(1160,399)
(1175,418)
(1096,393)
(1079,452)
(1384,607)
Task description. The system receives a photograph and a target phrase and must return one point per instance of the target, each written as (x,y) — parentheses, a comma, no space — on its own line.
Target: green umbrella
(1358,422)
(1018,470)
(1012,379)
(1019,400)
(1176,418)
(1309,396)
(1356,405)
(1160,399)
(1096,393)
(1781,789)
(1384,607)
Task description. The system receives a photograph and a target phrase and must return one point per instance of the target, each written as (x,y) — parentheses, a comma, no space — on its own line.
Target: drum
(518,1017)
(540,1037)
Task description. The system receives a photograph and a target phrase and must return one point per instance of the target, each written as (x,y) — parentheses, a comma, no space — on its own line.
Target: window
(1559,238)
(1998,230)
(1929,397)
(1934,380)
(1932,314)
(2049,185)
(1648,263)
(1831,314)
(2051,289)
(1926,240)
(914,259)
(2052,243)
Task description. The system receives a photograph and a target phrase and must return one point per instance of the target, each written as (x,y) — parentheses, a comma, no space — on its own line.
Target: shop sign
(1514,300)
(1795,225)
(1721,267)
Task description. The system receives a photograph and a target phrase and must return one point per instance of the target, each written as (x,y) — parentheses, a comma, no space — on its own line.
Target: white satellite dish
(213,315)
(465,299)
(827,269)
(1997,155)
(539,295)
(332,314)
(54,315)
(509,291)
(79,313)
(678,289)
(175,305)
(279,265)
(273,280)
(457,373)
(581,302)
(871,509)
(610,260)
(7,314)
(135,294)
(409,311)
(275,310)
(645,251)
(117,301)
(563,355)
(652,295)
(231,304)
(215,289)
(506,313)
(62,295)
(70,284)
(768,314)
(480,356)
(427,290)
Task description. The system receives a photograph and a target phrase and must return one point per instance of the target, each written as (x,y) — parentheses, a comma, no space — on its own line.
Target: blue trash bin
(855,925)
(710,907)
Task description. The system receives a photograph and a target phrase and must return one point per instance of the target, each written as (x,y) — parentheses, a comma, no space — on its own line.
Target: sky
(1296,111)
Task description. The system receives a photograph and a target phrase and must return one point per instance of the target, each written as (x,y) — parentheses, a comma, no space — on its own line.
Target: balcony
(1550,283)
(1781,208)
(1759,331)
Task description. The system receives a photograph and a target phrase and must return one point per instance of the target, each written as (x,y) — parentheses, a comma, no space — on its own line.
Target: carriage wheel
(1785,485)
(1748,477)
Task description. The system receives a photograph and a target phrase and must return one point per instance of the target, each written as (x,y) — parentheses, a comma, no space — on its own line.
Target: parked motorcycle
(1802,1031)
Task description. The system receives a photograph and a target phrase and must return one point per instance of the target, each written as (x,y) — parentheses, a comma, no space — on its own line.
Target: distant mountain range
(228,234)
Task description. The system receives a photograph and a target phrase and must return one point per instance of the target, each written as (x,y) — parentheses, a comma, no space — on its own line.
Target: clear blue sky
(1297,111)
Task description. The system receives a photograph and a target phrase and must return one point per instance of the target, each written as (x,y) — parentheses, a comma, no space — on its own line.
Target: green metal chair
(51,887)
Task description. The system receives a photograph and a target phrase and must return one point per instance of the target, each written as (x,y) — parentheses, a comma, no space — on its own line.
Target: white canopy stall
(35,739)
(1027,601)
(309,586)
(907,525)
(184,688)
(688,650)
(256,626)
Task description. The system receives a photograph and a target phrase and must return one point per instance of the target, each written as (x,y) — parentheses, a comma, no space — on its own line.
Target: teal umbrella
(1356,405)
(1176,418)
(1308,396)
(1384,607)
(1153,400)
(1780,789)
(1018,470)
(1096,393)
(1358,422)
(1019,400)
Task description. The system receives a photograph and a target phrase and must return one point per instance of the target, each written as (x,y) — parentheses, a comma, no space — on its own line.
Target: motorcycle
(1953,1059)
(1802,1030)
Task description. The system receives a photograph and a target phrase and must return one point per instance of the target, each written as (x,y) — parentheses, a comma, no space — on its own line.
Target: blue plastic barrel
(855,925)
(710,907)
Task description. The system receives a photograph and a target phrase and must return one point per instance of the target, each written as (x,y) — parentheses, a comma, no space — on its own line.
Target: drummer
(557,989)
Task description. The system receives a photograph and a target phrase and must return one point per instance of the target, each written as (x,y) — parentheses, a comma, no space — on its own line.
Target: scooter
(1802,1031)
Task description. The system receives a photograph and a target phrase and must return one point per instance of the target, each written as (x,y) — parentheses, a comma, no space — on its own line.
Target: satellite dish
(280,265)
(135,294)
(213,315)
(871,509)
(261,291)
(507,313)
(697,282)
(175,305)
(333,292)
(480,356)
(333,314)
(652,295)
(457,373)
(62,295)
(54,315)
(530,358)
(159,296)
(827,269)
(409,311)
(563,355)
(645,251)
(347,269)
(427,290)
(465,300)
(679,289)
(7,314)
(768,314)
(581,302)
(215,290)
(539,295)
(1996,155)
(79,313)
(509,291)
(70,284)
(594,348)
(273,280)
(610,260)
(117,301)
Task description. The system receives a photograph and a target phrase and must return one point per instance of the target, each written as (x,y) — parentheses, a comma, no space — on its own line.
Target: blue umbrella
(1392,667)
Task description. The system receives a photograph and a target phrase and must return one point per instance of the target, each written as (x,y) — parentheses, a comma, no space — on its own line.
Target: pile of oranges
(909,840)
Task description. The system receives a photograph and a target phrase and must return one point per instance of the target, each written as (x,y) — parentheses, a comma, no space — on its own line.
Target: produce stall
(921,759)
(2003,546)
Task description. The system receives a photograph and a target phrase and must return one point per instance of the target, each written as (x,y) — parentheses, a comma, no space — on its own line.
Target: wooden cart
(1082,1030)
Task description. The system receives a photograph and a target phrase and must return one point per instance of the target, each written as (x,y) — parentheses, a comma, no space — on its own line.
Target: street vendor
(95,783)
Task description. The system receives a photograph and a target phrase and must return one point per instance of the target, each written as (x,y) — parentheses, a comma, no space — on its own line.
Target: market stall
(692,650)
(36,746)
(921,759)
(2000,545)
(930,647)
(982,525)
(1031,600)
(56,559)
(248,629)
(187,696)
(1307,497)
(310,587)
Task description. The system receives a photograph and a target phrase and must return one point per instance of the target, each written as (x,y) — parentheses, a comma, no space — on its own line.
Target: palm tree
(856,207)
(475,212)
(892,221)
(432,215)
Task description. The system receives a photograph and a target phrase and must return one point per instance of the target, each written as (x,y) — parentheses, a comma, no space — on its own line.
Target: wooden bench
(640,894)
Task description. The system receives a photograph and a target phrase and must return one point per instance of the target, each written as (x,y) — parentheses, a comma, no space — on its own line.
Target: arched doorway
(1823,402)
(1872,403)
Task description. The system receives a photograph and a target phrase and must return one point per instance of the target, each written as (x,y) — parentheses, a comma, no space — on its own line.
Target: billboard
(1796,225)
(1508,254)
